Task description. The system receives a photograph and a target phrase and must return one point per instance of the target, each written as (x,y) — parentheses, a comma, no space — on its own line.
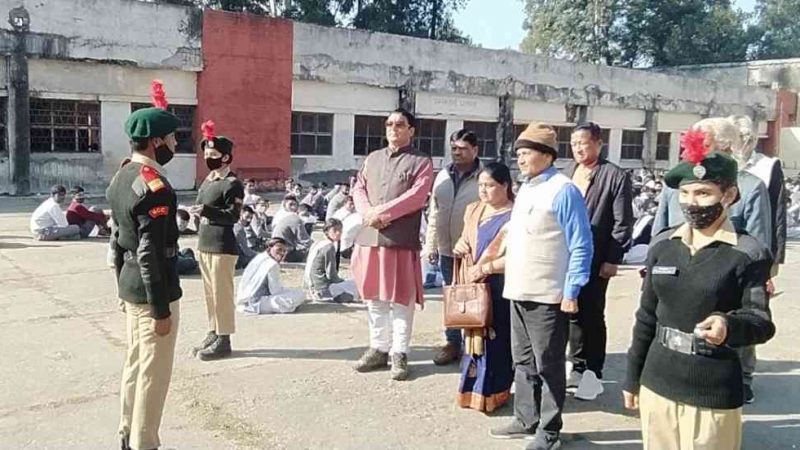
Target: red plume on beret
(208,130)
(694,147)
(157,94)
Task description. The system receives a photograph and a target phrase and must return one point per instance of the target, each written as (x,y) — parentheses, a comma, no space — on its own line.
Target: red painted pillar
(246,87)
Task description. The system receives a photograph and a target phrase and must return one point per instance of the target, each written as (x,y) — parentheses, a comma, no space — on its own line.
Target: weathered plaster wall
(376,59)
(123,31)
(776,74)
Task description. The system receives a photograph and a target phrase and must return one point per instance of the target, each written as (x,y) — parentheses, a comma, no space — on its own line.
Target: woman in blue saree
(486,366)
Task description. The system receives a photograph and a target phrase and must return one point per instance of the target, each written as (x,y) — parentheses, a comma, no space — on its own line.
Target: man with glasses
(390,193)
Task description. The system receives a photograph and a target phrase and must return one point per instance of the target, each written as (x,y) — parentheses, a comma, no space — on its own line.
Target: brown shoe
(448,354)
(372,359)
(399,367)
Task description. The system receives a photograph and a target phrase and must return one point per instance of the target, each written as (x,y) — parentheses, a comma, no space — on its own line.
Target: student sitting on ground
(308,217)
(49,223)
(251,198)
(288,205)
(260,289)
(262,222)
(291,229)
(246,239)
(187,224)
(321,277)
(86,218)
(352,224)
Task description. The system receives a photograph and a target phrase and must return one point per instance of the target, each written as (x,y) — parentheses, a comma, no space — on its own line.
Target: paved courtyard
(290,384)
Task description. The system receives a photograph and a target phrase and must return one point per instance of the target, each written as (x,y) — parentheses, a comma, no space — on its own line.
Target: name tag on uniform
(665,270)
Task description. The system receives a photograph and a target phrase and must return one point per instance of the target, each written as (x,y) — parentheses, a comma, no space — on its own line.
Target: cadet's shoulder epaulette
(152,178)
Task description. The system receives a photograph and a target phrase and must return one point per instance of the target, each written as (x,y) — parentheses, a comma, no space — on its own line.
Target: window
(183,134)
(64,126)
(605,135)
(662,146)
(369,134)
(487,137)
(312,133)
(632,144)
(3,128)
(563,138)
(430,136)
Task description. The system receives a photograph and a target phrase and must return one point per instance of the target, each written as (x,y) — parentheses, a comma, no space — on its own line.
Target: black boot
(210,338)
(221,348)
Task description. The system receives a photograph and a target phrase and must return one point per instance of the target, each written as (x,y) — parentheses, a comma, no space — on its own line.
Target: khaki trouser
(669,425)
(146,375)
(218,272)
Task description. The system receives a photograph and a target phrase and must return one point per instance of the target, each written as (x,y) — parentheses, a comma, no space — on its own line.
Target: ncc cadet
(144,247)
(219,203)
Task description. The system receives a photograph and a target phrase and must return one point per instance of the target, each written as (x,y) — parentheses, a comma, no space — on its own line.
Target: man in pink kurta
(390,193)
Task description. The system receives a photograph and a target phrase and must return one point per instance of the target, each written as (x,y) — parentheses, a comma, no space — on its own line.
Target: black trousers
(587,328)
(538,345)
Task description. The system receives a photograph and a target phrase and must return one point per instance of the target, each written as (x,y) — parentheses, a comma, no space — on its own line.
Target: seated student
(288,205)
(308,216)
(186,224)
(262,223)
(49,223)
(187,263)
(351,225)
(246,239)
(260,289)
(251,198)
(338,200)
(292,230)
(321,277)
(309,198)
(86,218)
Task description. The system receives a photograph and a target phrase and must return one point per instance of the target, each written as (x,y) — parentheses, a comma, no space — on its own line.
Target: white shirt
(251,199)
(351,225)
(48,214)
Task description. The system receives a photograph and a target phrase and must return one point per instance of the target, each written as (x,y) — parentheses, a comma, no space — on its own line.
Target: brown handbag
(466,305)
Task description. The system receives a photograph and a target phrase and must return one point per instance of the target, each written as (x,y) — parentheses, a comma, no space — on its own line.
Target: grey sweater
(321,270)
(291,229)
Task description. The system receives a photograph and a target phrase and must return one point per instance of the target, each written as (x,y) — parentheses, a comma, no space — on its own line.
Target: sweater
(681,290)
(291,229)
(449,199)
(78,214)
(770,172)
(549,254)
(321,270)
(221,198)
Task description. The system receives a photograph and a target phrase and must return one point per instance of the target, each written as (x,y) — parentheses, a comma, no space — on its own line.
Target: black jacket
(145,238)
(609,202)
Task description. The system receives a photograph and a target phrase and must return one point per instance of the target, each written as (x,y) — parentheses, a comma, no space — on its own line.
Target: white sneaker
(590,387)
(574,379)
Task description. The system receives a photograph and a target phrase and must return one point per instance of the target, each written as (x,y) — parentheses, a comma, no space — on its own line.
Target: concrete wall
(375,59)
(775,74)
(123,31)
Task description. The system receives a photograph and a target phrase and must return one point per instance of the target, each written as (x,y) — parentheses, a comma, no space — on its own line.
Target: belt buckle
(680,342)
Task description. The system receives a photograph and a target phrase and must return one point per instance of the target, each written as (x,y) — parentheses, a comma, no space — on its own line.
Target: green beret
(150,123)
(716,167)
(218,143)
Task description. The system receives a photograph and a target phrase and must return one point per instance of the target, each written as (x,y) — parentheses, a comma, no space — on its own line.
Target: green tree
(571,29)
(637,33)
(777,29)
(419,18)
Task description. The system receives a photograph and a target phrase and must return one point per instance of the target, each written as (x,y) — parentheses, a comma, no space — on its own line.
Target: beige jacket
(446,211)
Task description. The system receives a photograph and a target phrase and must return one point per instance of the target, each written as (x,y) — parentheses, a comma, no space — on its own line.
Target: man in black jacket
(607,190)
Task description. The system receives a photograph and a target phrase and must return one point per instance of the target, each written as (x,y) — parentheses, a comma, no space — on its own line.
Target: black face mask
(213,163)
(163,154)
(701,217)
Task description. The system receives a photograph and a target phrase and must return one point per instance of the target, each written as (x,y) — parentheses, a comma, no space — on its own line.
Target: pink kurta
(389,273)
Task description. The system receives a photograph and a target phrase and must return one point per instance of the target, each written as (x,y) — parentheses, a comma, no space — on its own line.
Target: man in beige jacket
(454,189)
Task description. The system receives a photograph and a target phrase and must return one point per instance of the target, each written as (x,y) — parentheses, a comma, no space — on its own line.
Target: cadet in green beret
(144,245)
(703,296)
(219,203)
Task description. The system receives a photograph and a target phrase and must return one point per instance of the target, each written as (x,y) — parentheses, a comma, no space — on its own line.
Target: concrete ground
(290,383)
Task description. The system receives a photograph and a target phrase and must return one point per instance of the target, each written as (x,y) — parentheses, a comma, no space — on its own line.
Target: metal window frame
(368,135)
(316,134)
(482,136)
(92,130)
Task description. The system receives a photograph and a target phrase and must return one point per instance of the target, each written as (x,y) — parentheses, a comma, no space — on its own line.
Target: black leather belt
(687,343)
(169,252)
(675,339)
